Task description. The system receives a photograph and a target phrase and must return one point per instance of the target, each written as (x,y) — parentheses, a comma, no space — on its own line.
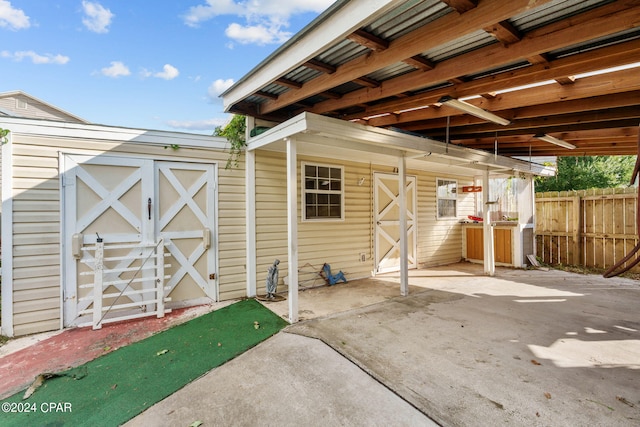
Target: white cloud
(195,125)
(97,18)
(36,58)
(169,72)
(12,18)
(264,20)
(256,34)
(117,69)
(216,88)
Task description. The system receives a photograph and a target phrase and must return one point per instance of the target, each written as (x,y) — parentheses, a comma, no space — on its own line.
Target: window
(446,194)
(323,192)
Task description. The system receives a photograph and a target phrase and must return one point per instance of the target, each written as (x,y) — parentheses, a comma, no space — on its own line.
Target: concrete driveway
(521,348)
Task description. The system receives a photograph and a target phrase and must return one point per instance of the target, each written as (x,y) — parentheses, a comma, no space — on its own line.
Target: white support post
(7,238)
(489,256)
(292,228)
(404,249)
(250,206)
(97,285)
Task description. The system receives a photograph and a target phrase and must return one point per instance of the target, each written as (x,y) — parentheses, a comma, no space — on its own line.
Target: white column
(292,228)
(7,238)
(250,215)
(250,208)
(404,250)
(489,263)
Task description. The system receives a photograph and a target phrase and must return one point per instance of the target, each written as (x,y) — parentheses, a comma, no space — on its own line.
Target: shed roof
(390,64)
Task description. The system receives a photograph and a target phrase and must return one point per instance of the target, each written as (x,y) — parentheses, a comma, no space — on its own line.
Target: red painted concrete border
(74,347)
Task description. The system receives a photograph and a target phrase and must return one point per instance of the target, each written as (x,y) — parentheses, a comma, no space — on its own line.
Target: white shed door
(387,221)
(129,200)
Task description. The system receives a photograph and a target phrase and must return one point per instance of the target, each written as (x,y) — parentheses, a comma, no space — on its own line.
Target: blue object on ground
(332,278)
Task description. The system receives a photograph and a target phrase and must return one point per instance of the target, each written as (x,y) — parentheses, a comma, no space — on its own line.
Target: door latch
(212,276)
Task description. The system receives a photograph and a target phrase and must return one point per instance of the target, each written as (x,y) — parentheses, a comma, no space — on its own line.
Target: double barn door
(127,201)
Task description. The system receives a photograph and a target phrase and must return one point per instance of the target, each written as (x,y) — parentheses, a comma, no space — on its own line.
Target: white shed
(66,185)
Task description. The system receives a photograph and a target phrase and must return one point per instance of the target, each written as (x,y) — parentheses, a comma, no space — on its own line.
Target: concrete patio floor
(525,347)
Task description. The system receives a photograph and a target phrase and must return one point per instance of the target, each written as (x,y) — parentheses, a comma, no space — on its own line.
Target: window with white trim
(447,195)
(323,192)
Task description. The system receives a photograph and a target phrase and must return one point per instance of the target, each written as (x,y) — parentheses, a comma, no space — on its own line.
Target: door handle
(149,207)
(379,223)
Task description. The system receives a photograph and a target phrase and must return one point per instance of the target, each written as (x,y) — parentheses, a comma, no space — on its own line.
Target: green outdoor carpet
(116,387)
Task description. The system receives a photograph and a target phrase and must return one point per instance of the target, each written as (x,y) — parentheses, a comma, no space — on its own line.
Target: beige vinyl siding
(231,229)
(336,242)
(271,215)
(37,215)
(339,243)
(440,240)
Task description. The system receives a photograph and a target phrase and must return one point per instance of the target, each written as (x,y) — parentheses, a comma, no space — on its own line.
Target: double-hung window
(323,192)
(446,193)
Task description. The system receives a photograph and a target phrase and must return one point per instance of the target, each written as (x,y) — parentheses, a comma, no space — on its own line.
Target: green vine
(234,131)
(4,136)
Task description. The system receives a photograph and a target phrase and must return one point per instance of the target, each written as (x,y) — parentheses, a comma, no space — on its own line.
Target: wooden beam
(543,129)
(620,54)
(579,110)
(368,40)
(331,95)
(566,80)
(420,63)
(600,117)
(266,95)
(504,32)
(367,82)
(443,30)
(288,83)
(537,59)
(584,95)
(323,67)
(461,6)
(585,27)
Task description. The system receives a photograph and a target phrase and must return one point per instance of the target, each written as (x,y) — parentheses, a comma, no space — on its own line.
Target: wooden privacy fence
(591,228)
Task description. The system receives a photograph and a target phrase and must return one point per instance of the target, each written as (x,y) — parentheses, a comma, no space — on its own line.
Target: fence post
(576,231)
(97,285)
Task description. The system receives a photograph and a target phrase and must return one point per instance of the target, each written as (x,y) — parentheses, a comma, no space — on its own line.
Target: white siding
(339,243)
(37,215)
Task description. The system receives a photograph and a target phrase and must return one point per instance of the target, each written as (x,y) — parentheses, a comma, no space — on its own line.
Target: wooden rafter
(540,40)
(368,40)
(599,114)
(461,6)
(412,44)
(589,61)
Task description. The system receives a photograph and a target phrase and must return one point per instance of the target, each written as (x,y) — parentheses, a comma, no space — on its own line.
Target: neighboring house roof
(20,104)
(393,63)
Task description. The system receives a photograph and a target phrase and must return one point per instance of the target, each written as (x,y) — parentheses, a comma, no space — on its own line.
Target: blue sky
(142,64)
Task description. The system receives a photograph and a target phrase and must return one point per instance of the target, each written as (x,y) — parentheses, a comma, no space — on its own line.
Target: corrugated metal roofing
(407,17)
(416,13)
(464,44)
(413,14)
(552,12)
